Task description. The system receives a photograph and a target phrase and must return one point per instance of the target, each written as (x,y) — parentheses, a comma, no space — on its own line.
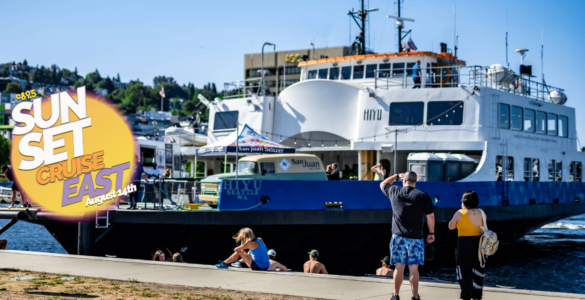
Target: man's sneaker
(395,297)
(415,298)
(237,264)
(11,206)
(221,265)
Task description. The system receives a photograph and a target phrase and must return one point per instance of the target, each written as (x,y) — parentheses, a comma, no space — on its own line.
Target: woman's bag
(488,243)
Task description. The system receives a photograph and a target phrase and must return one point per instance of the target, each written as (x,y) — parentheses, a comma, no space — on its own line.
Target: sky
(205,41)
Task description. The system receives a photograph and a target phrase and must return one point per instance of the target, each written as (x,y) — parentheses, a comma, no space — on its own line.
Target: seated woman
(256,259)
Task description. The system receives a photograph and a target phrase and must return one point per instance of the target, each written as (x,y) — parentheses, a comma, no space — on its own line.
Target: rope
(243,209)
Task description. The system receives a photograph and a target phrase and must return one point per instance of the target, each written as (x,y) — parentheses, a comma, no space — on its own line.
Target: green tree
(4,151)
(583,149)
(188,107)
(13,88)
(107,84)
(25,63)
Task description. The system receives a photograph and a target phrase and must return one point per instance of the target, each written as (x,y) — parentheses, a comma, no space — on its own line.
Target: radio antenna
(542,56)
(507,63)
(455,29)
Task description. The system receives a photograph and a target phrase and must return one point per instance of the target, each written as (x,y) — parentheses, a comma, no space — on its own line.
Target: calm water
(550,259)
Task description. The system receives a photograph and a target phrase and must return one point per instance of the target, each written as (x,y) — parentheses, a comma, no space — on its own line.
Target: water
(549,259)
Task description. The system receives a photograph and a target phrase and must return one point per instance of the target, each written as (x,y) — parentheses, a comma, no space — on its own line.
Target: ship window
(445,113)
(555,171)
(540,122)
(506,168)
(529,115)
(504,116)
(358,72)
(516,118)
(371,71)
(552,124)
(322,73)
(225,120)
(406,113)
(267,168)
(334,73)
(398,69)
(384,70)
(409,67)
(345,73)
(312,74)
(576,171)
(563,126)
(531,169)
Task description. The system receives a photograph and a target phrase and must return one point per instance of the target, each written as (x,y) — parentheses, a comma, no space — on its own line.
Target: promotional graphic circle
(99,148)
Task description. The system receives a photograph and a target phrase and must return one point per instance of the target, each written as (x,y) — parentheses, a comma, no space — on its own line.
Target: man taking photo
(407,248)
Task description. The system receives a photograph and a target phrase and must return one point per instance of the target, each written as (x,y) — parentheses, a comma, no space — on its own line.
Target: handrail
(456,76)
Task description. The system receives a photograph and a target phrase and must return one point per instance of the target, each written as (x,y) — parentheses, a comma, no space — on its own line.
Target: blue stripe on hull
(312,195)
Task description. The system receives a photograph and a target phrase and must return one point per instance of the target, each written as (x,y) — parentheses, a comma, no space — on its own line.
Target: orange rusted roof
(442,55)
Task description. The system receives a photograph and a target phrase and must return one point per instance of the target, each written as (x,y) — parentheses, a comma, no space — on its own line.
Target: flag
(411,45)
(162,92)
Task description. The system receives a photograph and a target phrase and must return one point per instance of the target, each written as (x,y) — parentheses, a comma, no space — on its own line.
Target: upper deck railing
(455,76)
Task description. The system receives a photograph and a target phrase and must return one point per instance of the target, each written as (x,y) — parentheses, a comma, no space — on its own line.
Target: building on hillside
(275,64)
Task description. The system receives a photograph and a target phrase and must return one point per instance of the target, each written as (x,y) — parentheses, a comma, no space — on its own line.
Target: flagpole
(161,103)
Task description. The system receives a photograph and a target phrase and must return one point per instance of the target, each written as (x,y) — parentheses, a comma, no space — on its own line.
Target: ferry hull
(350,241)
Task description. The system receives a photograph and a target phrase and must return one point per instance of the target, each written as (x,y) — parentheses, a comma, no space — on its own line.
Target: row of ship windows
(438,113)
(532,170)
(529,120)
(359,71)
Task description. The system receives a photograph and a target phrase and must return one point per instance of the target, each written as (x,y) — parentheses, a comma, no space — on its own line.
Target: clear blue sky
(205,41)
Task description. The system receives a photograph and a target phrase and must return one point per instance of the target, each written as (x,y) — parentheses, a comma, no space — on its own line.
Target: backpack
(488,243)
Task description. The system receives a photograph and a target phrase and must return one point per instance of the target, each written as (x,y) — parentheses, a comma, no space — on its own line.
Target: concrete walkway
(286,283)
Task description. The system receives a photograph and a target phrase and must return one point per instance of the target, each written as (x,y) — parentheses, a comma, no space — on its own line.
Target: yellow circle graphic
(78,158)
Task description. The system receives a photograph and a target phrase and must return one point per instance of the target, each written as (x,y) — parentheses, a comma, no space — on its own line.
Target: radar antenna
(361,15)
(400,24)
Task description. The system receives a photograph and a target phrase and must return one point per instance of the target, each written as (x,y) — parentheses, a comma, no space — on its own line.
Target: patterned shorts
(407,251)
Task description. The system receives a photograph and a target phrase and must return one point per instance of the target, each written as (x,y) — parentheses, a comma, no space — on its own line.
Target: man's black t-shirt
(409,208)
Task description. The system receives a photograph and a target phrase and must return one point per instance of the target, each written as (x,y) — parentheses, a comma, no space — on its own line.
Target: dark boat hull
(350,241)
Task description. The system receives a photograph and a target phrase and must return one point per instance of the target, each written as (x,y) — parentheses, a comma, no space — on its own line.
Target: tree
(188,107)
(583,149)
(13,88)
(107,84)
(158,80)
(118,78)
(4,151)
(25,62)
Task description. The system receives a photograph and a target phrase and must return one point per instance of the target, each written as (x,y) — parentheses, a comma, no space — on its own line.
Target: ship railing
(462,76)
(243,88)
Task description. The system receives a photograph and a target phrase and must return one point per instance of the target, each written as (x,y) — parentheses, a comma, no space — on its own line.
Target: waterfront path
(283,283)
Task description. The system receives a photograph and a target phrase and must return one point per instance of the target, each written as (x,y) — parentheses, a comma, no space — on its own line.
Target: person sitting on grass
(387,269)
(274,265)
(256,259)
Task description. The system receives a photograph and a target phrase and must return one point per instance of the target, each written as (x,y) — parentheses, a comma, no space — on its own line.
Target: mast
(399,30)
(362,15)
(507,63)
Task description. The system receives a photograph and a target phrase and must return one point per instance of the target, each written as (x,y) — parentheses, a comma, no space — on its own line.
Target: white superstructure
(348,109)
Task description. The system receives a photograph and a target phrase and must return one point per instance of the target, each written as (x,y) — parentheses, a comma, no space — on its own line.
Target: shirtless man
(385,270)
(313,266)
(274,265)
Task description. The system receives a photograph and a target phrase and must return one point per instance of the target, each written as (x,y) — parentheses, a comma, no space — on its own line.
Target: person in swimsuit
(387,269)
(313,266)
(256,259)
(468,221)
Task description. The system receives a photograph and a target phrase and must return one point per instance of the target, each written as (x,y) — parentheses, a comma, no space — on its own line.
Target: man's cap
(386,260)
(271,252)
(314,253)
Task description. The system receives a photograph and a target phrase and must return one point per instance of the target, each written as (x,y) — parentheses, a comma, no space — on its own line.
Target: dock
(281,283)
